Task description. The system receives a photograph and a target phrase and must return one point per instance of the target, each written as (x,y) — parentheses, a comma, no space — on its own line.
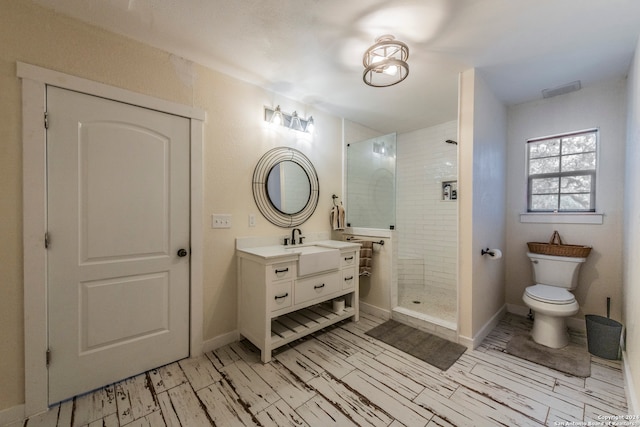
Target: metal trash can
(603,336)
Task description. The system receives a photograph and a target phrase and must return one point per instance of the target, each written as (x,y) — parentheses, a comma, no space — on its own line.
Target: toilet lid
(550,294)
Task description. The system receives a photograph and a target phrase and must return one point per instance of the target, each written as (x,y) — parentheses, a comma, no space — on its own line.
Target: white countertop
(277,251)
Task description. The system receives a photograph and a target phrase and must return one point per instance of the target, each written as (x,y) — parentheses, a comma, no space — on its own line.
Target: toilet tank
(560,271)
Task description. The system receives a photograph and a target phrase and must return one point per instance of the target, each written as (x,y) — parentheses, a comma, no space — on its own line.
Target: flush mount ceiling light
(385,63)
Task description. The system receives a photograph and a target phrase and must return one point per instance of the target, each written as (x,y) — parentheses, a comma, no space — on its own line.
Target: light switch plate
(221,221)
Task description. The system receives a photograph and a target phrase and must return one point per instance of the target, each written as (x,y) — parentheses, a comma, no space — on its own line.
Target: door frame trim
(34,193)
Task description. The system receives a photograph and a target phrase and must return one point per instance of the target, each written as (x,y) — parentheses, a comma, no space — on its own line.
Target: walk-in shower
(408,183)
(427,223)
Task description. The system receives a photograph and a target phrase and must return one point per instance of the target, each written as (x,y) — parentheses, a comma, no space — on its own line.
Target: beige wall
(631,248)
(465,204)
(482,178)
(355,132)
(601,106)
(235,138)
(489,199)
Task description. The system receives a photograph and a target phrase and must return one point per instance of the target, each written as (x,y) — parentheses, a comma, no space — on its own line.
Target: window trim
(596,218)
(593,173)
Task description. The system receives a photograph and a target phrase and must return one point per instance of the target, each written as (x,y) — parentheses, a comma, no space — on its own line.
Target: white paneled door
(118,241)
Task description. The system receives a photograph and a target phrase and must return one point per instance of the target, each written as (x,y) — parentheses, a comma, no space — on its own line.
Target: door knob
(182,253)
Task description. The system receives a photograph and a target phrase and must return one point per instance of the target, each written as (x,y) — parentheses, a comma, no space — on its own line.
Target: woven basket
(556,247)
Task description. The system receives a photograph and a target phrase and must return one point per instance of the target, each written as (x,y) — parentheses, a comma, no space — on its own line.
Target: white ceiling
(311,50)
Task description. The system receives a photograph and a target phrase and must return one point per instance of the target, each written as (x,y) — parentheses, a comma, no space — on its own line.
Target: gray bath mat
(572,359)
(434,350)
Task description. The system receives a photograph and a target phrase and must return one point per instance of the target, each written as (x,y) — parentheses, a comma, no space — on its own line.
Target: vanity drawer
(348,259)
(286,270)
(317,287)
(281,295)
(348,278)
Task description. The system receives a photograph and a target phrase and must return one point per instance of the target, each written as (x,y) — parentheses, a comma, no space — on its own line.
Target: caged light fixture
(291,121)
(385,63)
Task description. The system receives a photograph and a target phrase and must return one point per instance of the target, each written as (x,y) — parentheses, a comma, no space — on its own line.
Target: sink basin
(315,259)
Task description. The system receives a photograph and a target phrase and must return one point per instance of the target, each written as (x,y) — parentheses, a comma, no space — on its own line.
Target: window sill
(562,218)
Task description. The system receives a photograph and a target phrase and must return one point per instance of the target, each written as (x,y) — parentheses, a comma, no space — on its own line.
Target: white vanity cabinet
(276,306)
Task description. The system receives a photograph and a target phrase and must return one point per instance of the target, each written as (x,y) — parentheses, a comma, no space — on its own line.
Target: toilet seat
(550,294)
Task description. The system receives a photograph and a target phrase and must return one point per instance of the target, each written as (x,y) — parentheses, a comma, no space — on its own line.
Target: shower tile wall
(426,224)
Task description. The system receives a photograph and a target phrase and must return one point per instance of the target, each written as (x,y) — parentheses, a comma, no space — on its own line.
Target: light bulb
(391,70)
(310,125)
(277,116)
(376,58)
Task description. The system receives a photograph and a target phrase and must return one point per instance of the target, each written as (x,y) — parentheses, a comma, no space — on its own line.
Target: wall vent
(561,90)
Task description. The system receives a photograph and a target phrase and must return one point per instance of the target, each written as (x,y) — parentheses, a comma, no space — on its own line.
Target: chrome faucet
(293,236)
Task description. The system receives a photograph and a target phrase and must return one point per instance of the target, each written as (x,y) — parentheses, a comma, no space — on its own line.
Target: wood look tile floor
(342,377)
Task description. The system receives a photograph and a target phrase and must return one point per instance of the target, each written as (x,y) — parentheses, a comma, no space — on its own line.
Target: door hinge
(48,356)
(46,120)
(46,240)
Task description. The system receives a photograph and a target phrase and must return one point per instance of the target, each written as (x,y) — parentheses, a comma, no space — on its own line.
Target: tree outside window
(562,172)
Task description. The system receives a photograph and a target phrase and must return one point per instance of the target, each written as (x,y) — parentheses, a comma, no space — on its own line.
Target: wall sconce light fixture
(291,121)
(385,63)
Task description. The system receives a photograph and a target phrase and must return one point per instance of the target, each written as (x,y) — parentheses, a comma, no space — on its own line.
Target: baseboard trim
(633,404)
(485,330)
(14,414)
(375,311)
(518,310)
(465,341)
(220,341)
(579,325)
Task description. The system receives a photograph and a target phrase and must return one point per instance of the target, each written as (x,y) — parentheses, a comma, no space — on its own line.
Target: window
(561,172)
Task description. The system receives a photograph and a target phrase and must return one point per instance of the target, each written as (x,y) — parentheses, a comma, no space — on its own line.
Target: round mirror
(285,187)
(288,187)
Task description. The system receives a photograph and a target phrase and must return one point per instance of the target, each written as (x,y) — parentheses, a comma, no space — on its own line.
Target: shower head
(451,141)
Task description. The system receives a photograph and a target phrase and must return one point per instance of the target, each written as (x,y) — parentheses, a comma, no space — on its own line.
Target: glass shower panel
(371,182)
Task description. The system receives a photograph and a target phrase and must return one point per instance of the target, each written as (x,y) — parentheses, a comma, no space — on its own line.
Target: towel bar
(381,242)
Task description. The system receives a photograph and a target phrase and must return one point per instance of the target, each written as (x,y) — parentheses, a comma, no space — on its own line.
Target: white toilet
(550,298)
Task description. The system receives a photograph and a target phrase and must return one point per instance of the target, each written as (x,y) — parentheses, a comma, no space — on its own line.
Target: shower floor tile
(435,302)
